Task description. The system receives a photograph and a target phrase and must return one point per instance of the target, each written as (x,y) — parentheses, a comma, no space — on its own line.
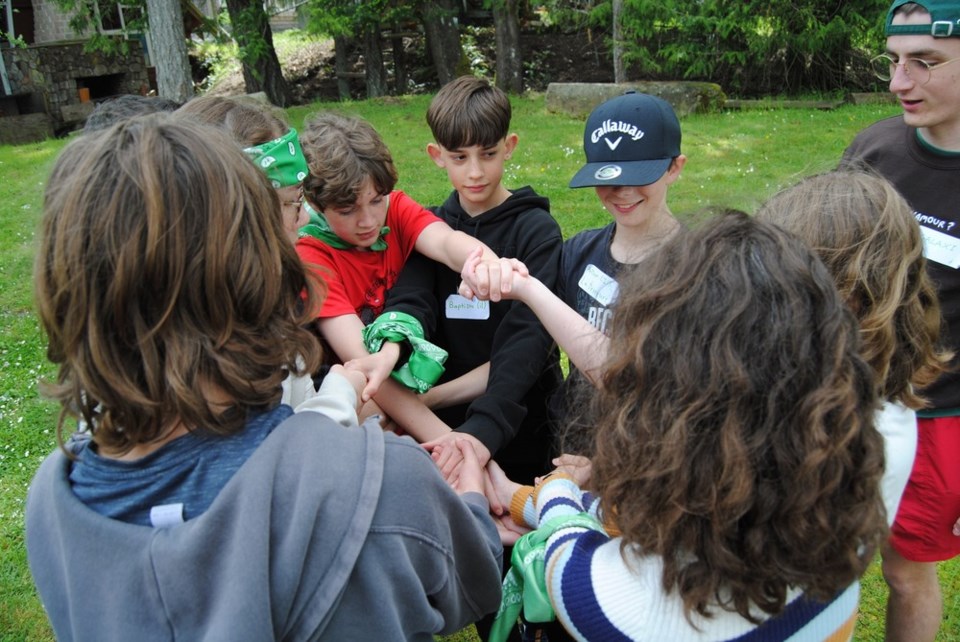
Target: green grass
(736,159)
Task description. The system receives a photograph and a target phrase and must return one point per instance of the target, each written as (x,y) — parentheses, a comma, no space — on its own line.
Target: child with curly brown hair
(735,486)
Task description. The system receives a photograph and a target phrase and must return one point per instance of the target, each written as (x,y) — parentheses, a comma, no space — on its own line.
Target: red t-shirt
(357,280)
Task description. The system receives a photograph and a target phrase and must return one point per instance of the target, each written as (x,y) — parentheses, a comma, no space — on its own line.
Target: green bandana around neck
(281,159)
(319,228)
(425,365)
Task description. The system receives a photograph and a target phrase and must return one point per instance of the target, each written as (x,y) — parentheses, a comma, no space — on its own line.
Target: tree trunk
(376,75)
(442,28)
(261,67)
(509,58)
(341,52)
(619,69)
(399,64)
(168,50)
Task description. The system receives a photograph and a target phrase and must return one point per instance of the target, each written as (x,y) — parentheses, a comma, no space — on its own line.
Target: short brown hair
(469,111)
(250,122)
(163,274)
(735,436)
(342,152)
(867,236)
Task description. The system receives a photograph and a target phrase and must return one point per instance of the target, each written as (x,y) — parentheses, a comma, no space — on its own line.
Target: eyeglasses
(298,203)
(884,67)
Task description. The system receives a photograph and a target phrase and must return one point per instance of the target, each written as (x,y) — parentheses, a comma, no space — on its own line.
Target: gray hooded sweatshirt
(324,533)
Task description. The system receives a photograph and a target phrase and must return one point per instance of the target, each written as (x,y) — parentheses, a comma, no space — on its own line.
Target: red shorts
(923,529)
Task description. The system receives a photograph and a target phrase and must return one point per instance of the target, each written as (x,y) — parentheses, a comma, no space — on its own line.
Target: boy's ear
(435,153)
(510,144)
(676,166)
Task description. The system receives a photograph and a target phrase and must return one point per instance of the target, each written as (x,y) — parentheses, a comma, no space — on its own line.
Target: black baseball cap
(629,140)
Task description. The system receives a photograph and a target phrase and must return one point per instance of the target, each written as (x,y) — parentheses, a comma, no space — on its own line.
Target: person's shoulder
(526,208)
(585,238)
(403,209)
(400,199)
(312,249)
(881,130)
(408,457)
(877,140)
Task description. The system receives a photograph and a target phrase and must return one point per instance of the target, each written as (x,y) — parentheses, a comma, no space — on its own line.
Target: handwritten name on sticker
(458,307)
(601,286)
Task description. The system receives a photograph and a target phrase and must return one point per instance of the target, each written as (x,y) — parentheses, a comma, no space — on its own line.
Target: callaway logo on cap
(629,140)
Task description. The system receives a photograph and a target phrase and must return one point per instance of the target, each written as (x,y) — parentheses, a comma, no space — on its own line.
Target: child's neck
(631,244)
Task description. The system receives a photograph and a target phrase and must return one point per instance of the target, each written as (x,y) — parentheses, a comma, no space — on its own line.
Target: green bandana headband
(319,228)
(525,585)
(425,365)
(281,160)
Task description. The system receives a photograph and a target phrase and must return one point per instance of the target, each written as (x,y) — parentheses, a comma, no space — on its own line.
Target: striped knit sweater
(597,597)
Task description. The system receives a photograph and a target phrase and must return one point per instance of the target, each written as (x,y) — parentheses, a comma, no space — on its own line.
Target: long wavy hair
(166,287)
(735,434)
(867,236)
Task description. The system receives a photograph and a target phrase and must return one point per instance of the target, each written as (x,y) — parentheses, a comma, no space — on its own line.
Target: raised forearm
(585,345)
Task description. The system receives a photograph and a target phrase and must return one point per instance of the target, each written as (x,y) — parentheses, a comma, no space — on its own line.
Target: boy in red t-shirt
(361,232)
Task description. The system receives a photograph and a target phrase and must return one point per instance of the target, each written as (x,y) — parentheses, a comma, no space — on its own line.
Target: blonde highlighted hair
(867,236)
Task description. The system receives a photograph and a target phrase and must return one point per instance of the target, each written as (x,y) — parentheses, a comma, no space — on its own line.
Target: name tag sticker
(940,247)
(602,287)
(166,515)
(458,307)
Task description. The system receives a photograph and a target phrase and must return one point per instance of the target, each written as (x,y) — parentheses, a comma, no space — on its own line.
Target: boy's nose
(475,168)
(365,218)
(900,80)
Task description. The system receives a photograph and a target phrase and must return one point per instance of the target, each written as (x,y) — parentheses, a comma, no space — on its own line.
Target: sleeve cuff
(517,503)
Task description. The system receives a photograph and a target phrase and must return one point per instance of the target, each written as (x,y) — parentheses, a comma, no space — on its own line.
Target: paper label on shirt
(601,286)
(458,307)
(166,515)
(941,248)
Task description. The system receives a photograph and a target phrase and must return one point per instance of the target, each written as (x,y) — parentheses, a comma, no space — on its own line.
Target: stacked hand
(491,280)
(375,368)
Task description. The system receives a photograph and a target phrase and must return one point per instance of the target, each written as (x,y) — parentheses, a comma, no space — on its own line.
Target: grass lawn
(736,159)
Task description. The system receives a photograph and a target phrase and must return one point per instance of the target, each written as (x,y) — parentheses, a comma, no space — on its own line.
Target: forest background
(750,48)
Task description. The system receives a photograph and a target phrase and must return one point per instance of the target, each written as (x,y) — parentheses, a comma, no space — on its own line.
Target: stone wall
(579,99)
(48,77)
(50,23)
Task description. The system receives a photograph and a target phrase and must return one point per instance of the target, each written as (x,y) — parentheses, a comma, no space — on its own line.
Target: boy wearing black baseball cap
(919,152)
(632,146)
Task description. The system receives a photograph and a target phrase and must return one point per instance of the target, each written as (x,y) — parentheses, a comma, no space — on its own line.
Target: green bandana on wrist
(425,365)
(319,228)
(525,585)
(281,160)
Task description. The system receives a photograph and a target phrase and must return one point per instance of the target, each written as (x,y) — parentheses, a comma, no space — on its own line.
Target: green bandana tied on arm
(318,228)
(281,159)
(525,585)
(425,364)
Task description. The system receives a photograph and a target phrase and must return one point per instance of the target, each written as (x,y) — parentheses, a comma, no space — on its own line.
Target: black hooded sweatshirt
(511,418)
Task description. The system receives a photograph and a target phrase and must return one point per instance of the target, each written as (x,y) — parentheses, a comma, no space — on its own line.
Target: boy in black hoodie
(502,366)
